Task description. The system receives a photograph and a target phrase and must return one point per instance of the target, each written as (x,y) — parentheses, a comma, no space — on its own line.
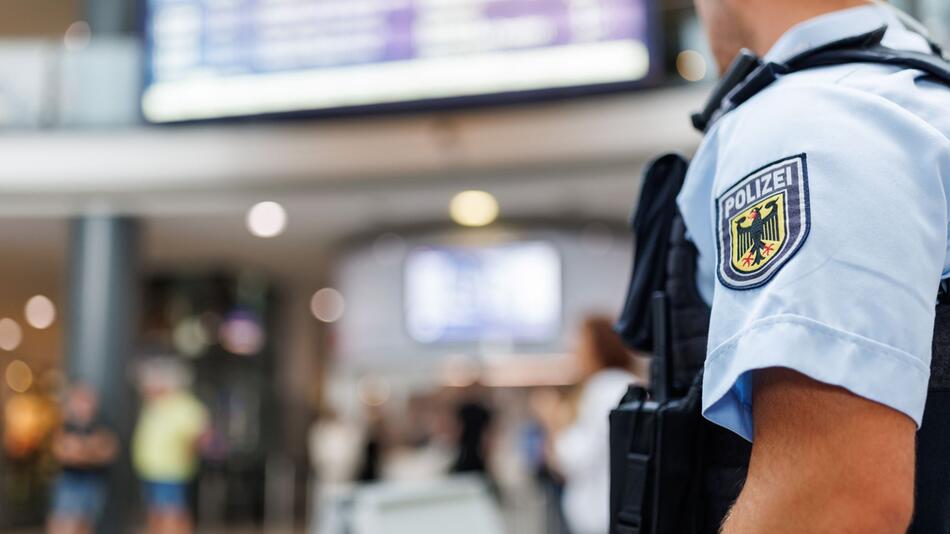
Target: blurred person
(85,448)
(334,445)
(578,432)
(534,448)
(425,446)
(474,420)
(371,462)
(171,427)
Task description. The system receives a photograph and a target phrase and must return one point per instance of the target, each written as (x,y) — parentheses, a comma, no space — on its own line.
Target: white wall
(372,333)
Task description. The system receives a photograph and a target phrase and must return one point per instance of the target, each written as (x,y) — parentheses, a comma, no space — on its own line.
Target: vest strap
(748,76)
(940,359)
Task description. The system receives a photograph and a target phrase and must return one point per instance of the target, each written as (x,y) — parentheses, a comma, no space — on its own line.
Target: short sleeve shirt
(164,446)
(819,209)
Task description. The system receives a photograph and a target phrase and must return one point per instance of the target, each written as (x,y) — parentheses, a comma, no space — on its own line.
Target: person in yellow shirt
(165,445)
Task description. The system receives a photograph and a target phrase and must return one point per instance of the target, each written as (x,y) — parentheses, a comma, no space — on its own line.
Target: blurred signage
(230,58)
(500,294)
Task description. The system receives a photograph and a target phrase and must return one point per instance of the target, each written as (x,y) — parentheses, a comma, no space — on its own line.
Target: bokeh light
(77,36)
(327,305)
(373,390)
(473,208)
(459,370)
(190,337)
(241,333)
(40,312)
(691,65)
(266,219)
(28,419)
(10,334)
(19,376)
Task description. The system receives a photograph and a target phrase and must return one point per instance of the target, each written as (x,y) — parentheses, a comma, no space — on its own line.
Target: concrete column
(111,17)
(101,325)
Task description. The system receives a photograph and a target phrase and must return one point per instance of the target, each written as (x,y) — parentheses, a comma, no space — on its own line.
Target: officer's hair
(605,344)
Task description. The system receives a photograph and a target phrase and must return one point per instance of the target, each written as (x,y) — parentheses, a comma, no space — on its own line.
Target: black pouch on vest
(663,479)
(672,471)
(932,506)
(655,452)
(651,223)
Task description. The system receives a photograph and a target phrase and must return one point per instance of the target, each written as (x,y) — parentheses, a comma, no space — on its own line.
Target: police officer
(820,212)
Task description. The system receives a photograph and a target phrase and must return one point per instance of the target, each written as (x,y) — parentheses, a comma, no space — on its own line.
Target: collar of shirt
(839,25)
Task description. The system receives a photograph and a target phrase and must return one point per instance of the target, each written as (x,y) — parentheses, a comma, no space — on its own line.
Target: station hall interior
(364,236)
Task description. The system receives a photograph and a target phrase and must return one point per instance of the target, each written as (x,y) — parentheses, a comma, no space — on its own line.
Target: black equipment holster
(672,471)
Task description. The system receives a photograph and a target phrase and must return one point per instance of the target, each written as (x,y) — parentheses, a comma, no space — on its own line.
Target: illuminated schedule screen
(460,295)
(211,59)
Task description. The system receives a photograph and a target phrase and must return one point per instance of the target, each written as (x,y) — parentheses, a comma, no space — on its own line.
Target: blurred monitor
(503,293)
(212,59)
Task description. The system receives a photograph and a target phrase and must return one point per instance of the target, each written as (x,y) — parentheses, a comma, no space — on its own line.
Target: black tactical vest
(727,457)
(673,472)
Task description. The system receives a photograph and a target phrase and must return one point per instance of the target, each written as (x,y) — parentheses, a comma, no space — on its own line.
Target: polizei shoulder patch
(763,221)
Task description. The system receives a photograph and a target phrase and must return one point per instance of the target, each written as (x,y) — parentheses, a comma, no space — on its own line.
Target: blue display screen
(505,293)
(226,58)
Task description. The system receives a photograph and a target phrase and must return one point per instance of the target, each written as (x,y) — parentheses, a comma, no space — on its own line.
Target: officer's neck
(767,21)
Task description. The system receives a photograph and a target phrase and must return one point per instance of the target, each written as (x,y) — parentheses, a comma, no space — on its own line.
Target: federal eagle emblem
(758,234)
(763,221)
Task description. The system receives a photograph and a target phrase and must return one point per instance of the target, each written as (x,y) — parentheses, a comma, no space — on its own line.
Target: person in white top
(579,439)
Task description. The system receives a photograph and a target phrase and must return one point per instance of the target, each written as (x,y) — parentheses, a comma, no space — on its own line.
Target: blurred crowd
(551,438)
(557,435)
(81,446)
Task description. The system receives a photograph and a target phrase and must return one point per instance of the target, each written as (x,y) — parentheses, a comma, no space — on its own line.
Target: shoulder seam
(886,102)
(894,104)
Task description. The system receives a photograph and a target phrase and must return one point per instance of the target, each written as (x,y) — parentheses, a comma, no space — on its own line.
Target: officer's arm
(824,461)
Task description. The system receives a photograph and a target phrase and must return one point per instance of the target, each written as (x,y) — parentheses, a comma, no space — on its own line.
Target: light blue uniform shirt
(853,241)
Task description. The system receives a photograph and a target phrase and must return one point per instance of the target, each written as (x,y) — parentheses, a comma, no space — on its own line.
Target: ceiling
(192,185)
(59,168)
